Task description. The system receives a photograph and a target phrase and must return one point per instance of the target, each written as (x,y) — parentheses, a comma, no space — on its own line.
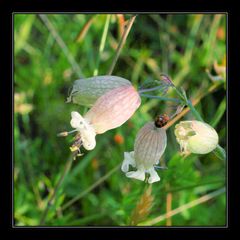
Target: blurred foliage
(181,45)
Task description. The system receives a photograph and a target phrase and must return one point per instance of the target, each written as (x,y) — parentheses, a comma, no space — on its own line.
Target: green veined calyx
(86,91)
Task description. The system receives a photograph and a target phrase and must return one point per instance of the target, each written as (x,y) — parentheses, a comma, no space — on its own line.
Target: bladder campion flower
(110,111)
(149,146)
(196,137)
(87,90)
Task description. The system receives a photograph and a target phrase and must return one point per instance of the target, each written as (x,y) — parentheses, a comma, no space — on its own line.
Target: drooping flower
(87,90)
(196,137)
(150,144)
(110,111)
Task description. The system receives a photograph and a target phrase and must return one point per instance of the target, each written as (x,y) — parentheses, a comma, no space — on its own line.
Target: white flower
(149,146)
(110,111)
(196,137)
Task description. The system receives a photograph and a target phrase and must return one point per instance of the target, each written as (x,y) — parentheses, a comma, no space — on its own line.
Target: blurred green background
(191,48)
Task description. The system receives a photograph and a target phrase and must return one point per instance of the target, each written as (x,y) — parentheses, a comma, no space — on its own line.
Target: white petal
(88,137)
(89,145)
(139,174)
(128,160)
(86,130)
(77,120)
(74,123)
(153,176)
(75,115)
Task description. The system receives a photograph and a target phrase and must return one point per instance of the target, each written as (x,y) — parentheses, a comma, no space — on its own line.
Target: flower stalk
(59,183)
(102,43)
(121,43)
(160,98)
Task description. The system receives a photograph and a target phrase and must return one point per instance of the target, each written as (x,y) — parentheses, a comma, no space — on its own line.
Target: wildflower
(110,111)
(149,146)
(87,90)
(196,137)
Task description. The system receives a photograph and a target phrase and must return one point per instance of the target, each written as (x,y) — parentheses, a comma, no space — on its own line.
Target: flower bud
(196,137)
(87,90)
(149,146)
(110,111)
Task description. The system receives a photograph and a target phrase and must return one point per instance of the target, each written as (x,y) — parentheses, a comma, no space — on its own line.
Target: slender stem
(85,192)
(194,102)
(168,205)
(194,111)
(121,44)
(85,29)
(102,43)
(179,93)
(184,207)
(173,190)
(160,98)
(62,44)
(59,183)
(150,89)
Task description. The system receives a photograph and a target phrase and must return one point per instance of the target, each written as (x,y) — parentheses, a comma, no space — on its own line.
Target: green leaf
(22,35)
(219,113)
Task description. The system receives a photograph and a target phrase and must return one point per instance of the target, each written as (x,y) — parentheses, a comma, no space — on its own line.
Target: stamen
(64,134)
(75,148)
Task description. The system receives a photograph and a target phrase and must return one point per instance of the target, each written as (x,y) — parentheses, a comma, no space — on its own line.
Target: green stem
(160,98)
(180,94)
(102,43)
(121,44)
(59,183)
(150,89)
(194,111)
(184,207)
(85,192)
(173,190)
(62,45)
